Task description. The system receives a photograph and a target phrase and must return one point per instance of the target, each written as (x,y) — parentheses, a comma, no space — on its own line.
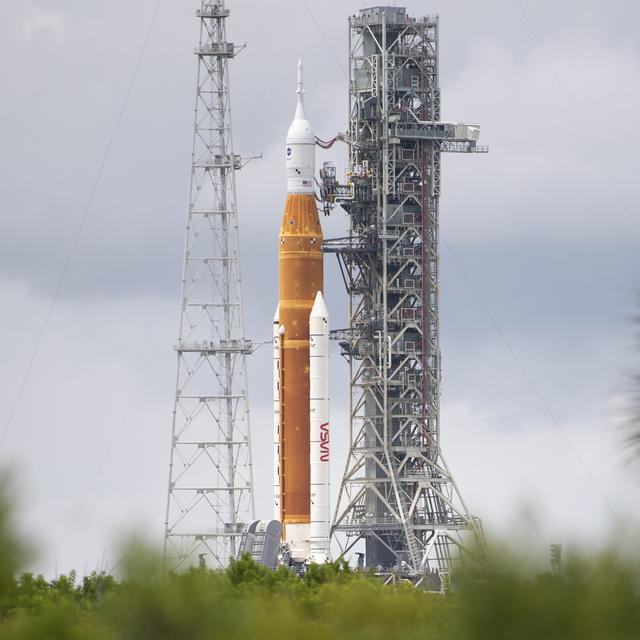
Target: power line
(333,53)
(494,323)
(536,391)
(247,133)
(131,405)
(79,229)
(576,117)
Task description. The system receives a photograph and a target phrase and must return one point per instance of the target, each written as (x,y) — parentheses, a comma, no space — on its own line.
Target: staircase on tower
(398,500)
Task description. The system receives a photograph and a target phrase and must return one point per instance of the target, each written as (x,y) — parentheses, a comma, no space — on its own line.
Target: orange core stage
(301,277)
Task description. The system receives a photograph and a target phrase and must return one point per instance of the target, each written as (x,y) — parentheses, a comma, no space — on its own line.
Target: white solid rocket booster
(276,414)
(319,425)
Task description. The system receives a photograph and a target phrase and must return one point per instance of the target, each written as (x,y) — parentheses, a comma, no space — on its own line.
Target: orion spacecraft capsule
(301,352)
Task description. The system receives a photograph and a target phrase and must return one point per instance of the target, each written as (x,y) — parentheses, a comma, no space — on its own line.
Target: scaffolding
(398,496)
(210,492)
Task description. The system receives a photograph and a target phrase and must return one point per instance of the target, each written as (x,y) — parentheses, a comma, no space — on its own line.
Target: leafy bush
(597,597)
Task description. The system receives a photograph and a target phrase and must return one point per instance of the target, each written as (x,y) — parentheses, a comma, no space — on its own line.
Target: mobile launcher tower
(397,494)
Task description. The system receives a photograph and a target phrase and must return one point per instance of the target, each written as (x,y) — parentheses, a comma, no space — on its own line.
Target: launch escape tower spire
(397,494)
(210,493)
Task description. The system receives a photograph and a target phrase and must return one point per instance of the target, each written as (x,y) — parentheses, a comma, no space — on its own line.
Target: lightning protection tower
(397,495)
(210,494)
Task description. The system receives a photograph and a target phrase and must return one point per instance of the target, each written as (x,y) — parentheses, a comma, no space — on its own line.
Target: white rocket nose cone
(319,309)
(300,148)
(300,131)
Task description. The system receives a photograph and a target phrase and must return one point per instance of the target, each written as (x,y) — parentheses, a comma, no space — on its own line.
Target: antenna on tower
(210,492)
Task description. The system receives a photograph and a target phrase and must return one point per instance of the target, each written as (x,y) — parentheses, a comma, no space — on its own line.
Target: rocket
(300,358)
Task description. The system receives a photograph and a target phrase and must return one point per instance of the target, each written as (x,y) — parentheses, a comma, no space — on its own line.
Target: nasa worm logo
(324,442)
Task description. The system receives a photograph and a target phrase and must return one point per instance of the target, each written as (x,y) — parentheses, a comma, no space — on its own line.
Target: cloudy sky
(540,271)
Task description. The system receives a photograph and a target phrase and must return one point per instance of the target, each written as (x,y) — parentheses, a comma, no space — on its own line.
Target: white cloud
(498,470)
(42,20)
(89,441)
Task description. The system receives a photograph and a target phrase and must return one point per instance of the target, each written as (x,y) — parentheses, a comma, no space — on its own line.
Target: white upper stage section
(301,148)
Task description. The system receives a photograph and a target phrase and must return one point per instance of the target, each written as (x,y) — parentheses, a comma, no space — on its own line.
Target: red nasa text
(324,442)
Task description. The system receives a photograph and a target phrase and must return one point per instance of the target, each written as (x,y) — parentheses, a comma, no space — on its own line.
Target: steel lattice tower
(210,493)
(397,493)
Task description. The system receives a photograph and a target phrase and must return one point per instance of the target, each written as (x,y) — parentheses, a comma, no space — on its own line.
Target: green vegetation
(595,598)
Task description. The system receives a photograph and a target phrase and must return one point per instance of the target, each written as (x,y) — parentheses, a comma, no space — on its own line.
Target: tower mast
(398,498)
(210,492)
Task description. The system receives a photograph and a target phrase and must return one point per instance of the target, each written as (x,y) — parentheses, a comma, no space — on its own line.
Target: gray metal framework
(210,493)
(397,494)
